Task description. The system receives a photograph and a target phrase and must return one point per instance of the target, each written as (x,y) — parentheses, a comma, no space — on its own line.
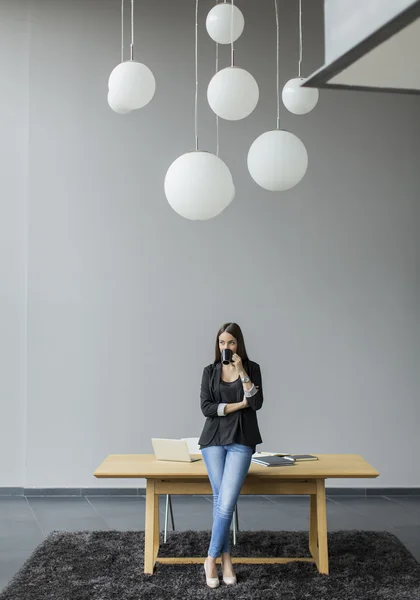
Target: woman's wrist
(247,385)
(251,392)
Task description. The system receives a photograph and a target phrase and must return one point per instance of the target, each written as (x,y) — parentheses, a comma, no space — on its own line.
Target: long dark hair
(236,331)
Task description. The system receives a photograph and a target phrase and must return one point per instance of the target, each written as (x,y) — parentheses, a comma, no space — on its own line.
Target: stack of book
(279,459)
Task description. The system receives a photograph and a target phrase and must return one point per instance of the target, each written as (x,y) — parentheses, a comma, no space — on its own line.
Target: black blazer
(211,398)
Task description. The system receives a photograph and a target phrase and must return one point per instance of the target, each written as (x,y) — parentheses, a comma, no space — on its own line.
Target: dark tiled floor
(25,521)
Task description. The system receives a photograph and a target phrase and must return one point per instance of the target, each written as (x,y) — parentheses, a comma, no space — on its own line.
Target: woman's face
(226,340)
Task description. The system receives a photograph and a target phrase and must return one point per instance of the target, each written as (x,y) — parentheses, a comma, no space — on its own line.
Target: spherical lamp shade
(233,93)
(199,186)
(277,160)
(297,99)
(220,26)
(115,105)
(133,83)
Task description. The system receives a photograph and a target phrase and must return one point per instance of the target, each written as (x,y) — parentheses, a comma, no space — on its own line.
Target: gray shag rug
(108,565)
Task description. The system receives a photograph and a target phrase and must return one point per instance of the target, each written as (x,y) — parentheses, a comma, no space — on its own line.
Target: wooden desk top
(146,466)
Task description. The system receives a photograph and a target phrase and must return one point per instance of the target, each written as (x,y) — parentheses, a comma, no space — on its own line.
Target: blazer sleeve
(256,401)
(208,407)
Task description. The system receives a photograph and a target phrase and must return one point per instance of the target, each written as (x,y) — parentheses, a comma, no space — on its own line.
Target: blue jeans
(227,467)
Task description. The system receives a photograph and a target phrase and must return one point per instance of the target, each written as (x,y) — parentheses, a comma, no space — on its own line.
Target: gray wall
(110,301)
(14,129)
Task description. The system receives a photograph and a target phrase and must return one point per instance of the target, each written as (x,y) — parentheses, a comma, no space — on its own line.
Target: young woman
(230,396)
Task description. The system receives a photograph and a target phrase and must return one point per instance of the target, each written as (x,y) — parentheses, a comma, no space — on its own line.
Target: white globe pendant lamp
(198,185)
(225,23)
(277,160)
(297,99)
(233,93)
(131,84)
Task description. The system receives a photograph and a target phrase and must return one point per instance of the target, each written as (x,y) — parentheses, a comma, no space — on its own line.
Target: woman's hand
(237,361)
(245,402)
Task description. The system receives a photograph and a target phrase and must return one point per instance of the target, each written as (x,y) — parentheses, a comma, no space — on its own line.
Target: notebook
(274,461)
(297,457)
(263,454)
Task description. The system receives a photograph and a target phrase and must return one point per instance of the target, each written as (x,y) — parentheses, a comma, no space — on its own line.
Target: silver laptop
(175,450)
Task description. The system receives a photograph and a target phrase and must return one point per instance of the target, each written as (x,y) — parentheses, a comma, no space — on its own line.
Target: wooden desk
(191,478)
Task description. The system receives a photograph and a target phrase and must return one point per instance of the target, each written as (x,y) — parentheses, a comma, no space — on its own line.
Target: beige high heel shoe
(212,582)
(229,580)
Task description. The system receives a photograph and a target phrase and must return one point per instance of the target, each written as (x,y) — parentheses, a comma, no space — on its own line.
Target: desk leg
(313,530)
(156,543)
(150,527)
(321,518)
